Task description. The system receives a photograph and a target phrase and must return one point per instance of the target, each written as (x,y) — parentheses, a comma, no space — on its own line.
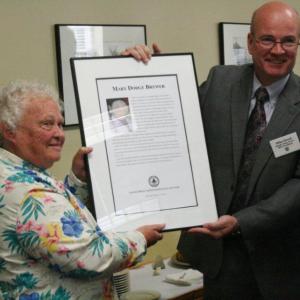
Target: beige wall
(27,48)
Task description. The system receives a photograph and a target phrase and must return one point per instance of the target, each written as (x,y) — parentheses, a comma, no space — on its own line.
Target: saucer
(141,295)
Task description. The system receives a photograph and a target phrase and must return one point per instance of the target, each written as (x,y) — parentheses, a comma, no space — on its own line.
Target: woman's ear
(7,133)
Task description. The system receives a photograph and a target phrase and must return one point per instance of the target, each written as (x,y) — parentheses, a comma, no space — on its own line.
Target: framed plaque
(82,40)
(233,43)
(149,163)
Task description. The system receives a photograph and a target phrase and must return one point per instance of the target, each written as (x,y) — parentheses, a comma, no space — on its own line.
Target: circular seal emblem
(153,181)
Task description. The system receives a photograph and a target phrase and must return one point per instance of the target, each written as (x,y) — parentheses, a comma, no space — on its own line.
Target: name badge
(286,144)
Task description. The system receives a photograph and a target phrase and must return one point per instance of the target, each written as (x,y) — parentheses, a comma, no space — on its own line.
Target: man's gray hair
(16,94)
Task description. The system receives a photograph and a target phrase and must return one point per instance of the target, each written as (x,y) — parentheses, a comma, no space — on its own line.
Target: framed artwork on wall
(233,43)
(85,40)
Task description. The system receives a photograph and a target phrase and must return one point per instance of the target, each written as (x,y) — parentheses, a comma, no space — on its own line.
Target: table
(142,279)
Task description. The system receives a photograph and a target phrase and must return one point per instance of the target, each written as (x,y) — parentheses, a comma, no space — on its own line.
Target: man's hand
(141,52)
(78,165)
(152,233)
(225,225)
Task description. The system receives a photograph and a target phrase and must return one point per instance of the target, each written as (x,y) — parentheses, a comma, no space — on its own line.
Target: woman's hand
(152,233)
(78,164)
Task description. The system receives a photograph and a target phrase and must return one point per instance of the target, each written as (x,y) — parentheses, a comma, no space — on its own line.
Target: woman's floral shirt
(50,245)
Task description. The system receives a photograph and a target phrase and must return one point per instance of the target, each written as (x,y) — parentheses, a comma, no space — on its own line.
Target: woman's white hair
(16,94)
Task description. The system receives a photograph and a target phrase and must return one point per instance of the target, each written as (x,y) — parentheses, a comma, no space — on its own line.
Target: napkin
(186,277)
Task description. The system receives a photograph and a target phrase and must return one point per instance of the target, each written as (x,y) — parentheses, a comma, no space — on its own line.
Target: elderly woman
(50,244)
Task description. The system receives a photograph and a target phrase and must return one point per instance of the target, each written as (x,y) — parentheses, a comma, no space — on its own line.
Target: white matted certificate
(149,163)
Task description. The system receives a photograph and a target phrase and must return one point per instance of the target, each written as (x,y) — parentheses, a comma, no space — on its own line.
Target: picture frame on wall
(233,43)
(88,40)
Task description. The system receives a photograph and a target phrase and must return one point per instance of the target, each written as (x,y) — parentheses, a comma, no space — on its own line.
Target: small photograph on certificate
(119,115)
(149,163)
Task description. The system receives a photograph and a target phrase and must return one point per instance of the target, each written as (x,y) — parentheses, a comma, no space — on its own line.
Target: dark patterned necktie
(254,134)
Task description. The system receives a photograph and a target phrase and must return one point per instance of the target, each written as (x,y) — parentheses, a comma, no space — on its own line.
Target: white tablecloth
(142,279)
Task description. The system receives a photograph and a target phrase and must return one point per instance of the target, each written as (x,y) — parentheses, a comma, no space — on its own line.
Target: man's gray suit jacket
(270,224)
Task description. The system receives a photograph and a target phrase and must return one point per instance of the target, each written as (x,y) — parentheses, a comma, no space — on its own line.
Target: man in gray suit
(251,251)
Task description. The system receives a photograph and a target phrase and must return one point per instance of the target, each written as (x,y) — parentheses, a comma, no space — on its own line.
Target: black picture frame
(163,101)
(88,40)
(233,43)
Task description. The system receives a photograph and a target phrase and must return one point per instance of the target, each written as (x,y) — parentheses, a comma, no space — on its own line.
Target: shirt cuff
(76,180)
(140,238)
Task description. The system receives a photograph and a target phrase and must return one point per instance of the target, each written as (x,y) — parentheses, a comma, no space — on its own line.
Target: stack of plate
(121,282)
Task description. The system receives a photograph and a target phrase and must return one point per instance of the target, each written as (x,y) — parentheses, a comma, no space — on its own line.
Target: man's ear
(7,133)
(250,42)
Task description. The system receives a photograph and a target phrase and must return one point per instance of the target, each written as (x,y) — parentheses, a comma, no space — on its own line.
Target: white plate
(141,295)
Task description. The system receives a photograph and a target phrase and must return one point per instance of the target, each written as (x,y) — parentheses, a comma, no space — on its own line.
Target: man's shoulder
(233,70)
(296,77)
(224,76)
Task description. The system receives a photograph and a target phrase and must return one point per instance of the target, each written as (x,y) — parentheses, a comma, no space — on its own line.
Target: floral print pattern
(51,246)
(72,224)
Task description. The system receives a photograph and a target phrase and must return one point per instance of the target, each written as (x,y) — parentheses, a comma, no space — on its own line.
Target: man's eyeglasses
(268,42)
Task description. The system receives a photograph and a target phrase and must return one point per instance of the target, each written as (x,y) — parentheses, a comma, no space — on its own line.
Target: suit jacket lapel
(240,101)
(284,113)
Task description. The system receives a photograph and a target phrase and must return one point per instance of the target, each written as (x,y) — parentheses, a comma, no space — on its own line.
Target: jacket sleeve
(76,187)
(56,229)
